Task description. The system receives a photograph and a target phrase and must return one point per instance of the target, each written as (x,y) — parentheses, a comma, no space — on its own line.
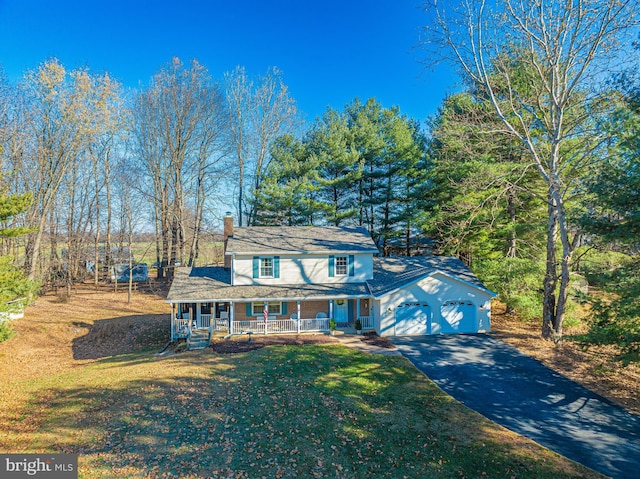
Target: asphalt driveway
(521,394)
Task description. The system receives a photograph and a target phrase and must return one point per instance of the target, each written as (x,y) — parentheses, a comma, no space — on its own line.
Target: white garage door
(412,318)
(458,317)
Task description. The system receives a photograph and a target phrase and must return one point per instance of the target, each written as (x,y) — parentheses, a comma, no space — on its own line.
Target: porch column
(231,316)
(212,319)
(358,308)
(173,321)
(298,317)
(331,309)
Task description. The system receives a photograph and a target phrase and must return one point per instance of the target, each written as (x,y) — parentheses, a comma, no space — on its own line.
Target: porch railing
(205,321)
(272,326)
(220,324)
(181,325)
(181,328)
(366,321)
(280,326)
(316,324)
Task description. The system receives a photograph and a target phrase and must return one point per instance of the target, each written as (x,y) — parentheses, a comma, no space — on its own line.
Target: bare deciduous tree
(259,112)
(178,126)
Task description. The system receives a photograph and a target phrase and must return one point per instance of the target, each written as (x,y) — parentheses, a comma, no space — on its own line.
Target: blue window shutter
(256,266)
(249,310)
(332,266)
(351,265)
(284,307)
(276,266)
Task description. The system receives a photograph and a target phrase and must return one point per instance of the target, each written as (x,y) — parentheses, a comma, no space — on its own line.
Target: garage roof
(390,274)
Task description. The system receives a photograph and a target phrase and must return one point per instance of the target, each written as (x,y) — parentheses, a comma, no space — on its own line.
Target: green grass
(278,412)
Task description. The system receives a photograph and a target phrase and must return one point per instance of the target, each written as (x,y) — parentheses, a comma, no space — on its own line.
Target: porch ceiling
(209,284)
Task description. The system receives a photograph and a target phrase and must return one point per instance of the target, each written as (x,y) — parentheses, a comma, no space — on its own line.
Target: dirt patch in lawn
(595,367)
(241,344)
(374,340)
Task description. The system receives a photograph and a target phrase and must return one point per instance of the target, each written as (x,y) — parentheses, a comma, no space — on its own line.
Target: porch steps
(199,339)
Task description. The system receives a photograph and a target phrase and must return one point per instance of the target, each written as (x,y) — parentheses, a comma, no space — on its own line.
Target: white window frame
(263,268)
(274,307)
(341,266)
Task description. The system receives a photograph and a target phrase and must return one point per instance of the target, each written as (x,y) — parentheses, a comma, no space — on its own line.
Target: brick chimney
(228,231)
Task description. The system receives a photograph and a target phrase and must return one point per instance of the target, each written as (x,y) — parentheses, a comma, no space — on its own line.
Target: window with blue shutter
(273,308)
(332,261)
(266,266)
(343,265)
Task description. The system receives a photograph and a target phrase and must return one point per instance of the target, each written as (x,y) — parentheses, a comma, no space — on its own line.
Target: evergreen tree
(287,193)
(363,166)
(13,283)
(614,207)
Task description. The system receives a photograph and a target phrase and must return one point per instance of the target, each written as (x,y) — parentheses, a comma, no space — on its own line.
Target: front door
(341,311)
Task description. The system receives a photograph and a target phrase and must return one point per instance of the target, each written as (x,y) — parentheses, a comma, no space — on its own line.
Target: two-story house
(296,279)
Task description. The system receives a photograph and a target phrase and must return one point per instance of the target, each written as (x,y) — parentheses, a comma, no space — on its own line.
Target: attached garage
(428,295)
(458,317)
(413,319)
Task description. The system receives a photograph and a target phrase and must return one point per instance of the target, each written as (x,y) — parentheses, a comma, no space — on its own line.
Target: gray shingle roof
(389,274)
(214,284)
(300,239)
(392,273)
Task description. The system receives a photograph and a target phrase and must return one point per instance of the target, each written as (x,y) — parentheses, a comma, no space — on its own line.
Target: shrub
(6,331)
(518,282)
(615,318)
(600,266)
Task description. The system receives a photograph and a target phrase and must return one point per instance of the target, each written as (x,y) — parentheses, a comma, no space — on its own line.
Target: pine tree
(15,289)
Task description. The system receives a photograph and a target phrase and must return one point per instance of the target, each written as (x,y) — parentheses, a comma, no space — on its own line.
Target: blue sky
(330,52)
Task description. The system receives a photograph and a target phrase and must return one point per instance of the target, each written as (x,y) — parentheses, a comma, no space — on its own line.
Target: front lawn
(283,411)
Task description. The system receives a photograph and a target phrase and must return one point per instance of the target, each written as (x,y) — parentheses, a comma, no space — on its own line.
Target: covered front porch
(266,316)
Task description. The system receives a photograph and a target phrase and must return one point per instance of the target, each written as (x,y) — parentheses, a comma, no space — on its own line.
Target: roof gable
(300,239)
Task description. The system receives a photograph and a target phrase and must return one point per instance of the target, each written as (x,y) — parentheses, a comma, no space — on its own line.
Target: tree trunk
(565,269)
(511,210)
(107,246)
(550,277)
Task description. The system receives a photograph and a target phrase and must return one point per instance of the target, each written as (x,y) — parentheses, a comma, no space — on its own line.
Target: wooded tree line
(531,164)
(542,70)
(101,163)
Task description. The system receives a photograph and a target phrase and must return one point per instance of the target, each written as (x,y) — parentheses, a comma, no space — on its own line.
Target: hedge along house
(296,279)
